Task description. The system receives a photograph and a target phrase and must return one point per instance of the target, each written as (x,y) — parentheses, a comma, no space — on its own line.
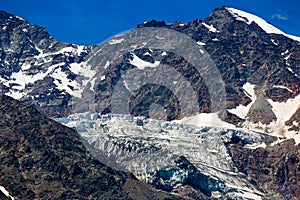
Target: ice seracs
(144,145)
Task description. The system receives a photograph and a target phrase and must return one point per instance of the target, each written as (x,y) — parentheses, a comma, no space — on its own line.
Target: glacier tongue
(144,146)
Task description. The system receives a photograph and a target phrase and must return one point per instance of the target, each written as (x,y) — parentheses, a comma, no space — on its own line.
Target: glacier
(146,147)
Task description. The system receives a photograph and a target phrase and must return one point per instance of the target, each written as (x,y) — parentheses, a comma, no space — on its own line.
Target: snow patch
(25,66)
(75,50)
(201,43)
(82,69)
(211,28)
(106,64)
(21,79)
(15,94)
(288,56)
(283,53)
(141,64)
(115,41)
(80,49)
(283,87)
(87,73)
(20,18)
(283,112)
(92,84)
(288,68)
(241,111)
(255,146)
(164,53)
(62,82)
(273,41)
(5,192)
(126,85)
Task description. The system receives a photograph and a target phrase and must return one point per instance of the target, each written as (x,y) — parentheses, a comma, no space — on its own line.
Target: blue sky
(92,21)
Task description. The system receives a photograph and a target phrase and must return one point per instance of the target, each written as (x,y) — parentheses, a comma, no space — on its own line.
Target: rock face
(275,168)
(41,159)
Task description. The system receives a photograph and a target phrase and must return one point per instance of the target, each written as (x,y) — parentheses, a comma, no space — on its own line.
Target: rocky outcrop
(275,168)
(228,117)
(261,111)
(293,123)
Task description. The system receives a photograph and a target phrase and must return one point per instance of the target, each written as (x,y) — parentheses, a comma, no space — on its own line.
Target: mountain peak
(249,18)
(227,15)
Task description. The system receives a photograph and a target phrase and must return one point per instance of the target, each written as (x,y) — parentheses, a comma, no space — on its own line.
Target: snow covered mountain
(218,123)
(36,68)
